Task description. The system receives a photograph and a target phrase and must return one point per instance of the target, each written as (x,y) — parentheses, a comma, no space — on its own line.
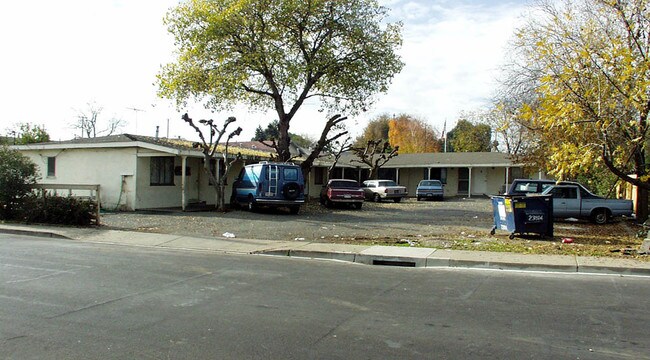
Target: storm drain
(393,263)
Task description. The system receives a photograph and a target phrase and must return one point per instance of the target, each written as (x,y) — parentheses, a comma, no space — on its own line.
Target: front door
(463,181)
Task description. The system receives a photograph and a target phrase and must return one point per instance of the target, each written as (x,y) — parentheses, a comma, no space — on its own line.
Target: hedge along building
(135,172)
(464,174)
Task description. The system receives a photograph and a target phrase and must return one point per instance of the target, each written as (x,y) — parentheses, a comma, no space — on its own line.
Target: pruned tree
(338,148)
(281,53)
(591,62)
(209,147)
(375,154)
(88,122)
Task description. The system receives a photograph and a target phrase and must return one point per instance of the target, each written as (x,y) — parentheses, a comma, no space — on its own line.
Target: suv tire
(291,190)
(250,204)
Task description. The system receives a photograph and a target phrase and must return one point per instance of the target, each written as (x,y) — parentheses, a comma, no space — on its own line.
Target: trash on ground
(407,241)
(299,239)
(571,219)
(567,240)
(228,235)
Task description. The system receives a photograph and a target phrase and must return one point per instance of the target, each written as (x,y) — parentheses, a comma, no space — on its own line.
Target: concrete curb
(46,234)
(368,255)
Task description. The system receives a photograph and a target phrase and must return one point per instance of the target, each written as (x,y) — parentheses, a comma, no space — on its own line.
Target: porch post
(507,176)
(428,173)
(469,185)
(183,184)
(342,173)
(397,175)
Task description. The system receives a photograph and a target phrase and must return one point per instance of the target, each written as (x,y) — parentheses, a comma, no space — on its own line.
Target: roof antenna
(135,110)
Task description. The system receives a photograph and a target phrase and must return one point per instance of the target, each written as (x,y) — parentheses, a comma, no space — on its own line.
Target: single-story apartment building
(463,174)
(139,172)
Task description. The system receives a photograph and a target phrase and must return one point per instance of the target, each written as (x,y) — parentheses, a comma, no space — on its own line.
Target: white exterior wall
(496,179)
(479,181)
(156,196)
(104,167)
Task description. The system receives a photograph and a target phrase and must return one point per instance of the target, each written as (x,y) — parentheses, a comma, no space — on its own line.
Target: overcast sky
(60,55)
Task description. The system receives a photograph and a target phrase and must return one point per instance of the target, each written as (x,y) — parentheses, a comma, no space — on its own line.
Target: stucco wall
(89,167)
(410,177)
(496,179)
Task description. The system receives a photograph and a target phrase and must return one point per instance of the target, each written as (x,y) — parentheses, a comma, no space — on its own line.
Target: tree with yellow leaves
(590,66)
(412,135)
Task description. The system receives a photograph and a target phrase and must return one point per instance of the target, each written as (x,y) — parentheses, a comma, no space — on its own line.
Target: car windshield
(387,183)
(344,184)
(430,183)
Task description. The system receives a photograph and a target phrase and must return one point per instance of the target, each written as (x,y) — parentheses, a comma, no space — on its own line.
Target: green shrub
(50,209)
(17,175)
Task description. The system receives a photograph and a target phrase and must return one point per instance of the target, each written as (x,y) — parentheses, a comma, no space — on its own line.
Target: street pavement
(369,255)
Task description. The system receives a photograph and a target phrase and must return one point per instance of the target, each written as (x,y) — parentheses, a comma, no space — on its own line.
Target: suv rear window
(290,174)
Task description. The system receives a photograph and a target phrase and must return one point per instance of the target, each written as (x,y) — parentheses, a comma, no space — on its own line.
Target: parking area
(315,222)
(424,223)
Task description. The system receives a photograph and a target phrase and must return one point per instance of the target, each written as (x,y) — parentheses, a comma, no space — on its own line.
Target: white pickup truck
(572,200)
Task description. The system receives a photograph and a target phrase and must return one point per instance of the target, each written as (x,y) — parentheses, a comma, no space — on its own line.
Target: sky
(60,56)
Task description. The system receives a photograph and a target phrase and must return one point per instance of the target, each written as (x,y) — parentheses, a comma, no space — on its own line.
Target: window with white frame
(51,166)
(162,171)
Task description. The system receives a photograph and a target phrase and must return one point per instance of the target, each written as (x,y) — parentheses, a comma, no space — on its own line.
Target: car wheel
(397,200)
(357,205)
(233,203)
(419,198)
(376,198)
(294,209)
(250,204)
(600,216)
(329,203)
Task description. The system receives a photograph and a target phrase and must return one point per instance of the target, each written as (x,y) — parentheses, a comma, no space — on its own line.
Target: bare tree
(376,154)
(338,148)
(209,149)
(88,122)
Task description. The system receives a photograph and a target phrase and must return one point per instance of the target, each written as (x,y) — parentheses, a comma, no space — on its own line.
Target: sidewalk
(369,255)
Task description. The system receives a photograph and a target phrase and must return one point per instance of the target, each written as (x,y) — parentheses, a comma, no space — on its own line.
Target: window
(162,171)
(290,174)
(437,174)
(319,175)
(51,166)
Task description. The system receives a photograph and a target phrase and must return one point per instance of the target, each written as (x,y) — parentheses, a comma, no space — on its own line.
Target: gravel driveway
(381,221)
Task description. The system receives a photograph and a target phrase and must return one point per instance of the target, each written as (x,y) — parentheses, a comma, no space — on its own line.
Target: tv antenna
(136,111)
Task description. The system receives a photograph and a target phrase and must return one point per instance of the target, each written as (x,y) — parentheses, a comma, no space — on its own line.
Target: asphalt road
(66,300)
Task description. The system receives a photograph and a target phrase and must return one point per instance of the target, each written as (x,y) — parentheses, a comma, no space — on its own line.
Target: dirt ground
(456,223)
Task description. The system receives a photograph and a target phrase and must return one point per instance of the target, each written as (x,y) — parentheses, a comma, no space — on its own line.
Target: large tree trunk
(283,142)
(641,204)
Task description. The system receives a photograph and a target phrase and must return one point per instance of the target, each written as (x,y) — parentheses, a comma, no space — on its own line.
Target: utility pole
(135,110)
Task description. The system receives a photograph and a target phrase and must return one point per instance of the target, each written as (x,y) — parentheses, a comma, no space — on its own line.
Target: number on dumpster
(535,217)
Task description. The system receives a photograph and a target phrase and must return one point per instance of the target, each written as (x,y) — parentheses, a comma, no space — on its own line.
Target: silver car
(430,189)
(378,190)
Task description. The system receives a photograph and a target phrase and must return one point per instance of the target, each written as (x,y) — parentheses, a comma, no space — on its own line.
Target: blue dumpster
(523,214)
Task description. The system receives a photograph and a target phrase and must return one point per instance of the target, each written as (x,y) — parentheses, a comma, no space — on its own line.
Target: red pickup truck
(342,191)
